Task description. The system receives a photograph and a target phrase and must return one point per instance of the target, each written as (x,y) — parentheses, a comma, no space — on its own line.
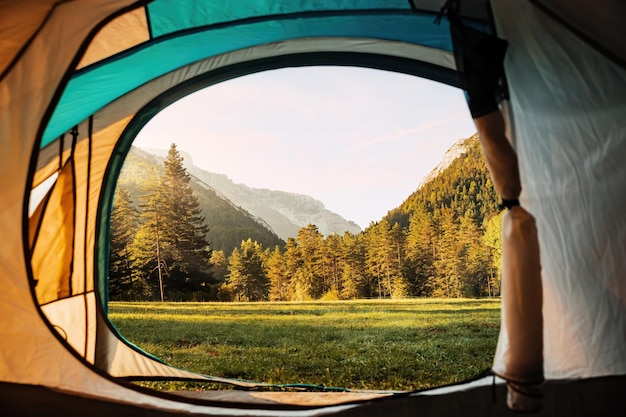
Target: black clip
(508,204)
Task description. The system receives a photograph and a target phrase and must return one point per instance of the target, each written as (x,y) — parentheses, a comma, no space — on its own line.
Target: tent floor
(312,399)
(604,396)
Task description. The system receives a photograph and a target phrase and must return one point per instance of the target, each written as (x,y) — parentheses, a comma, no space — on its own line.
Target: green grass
(372,344)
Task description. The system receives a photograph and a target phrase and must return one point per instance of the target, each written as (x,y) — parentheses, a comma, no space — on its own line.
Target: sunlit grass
(371,344)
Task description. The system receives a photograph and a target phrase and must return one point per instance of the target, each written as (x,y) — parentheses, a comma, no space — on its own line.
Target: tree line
(443,241)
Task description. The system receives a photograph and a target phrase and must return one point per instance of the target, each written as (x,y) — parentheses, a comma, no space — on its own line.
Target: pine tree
(397,253)
(185,226)
(420,252)
(332,263)
(309,279)
(385,257)
(280,284)
(375,258)
(472,256)
(123,228)
(218,264)
(246,272)
(171,242)
(492,241)
(150,254)
(353,271)
(293,265)
(447,280)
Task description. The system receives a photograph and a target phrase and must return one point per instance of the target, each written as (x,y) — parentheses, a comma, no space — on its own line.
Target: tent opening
(319,259)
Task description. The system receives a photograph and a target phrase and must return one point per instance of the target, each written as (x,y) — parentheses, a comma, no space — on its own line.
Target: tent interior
(79,79)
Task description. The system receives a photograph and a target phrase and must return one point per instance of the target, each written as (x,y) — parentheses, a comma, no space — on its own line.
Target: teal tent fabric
(186,32)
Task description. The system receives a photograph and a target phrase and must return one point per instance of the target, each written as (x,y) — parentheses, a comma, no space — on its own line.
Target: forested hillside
(228,224)
(443,241)
(464,187)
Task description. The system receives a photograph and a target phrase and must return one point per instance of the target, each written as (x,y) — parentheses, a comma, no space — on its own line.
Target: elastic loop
(442,11)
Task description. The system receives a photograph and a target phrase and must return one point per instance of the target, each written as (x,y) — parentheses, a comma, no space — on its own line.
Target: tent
(78,79)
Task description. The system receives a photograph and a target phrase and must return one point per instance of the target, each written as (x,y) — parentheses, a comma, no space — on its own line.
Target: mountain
(228,223)
(285,212)
(457,149)
(461,183)
(282,212)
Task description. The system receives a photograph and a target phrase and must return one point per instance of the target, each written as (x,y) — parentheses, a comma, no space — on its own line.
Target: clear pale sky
(359,140)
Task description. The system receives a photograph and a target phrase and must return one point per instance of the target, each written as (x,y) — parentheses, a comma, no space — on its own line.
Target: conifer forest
(442,241)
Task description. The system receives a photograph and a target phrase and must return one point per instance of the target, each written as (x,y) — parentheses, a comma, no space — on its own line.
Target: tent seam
(222,25)
(579,33)
(26,45)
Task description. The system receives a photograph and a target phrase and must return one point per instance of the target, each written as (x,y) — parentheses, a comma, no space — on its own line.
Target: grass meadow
(361,345)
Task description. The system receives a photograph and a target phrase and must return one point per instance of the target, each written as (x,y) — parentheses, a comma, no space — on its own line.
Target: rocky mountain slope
(457,149)
(284,213)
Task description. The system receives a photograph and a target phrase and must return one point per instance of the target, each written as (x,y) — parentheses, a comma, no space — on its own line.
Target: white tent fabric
(568,108)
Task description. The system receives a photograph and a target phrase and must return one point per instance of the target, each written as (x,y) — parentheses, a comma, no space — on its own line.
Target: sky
(359,140)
